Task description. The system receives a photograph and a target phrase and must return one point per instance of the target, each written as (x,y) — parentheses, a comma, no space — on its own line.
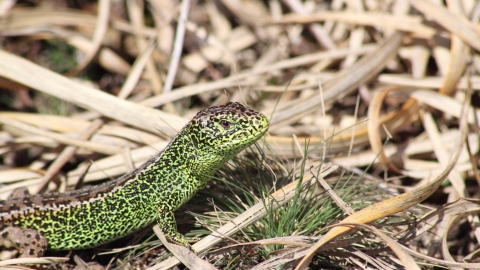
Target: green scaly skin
(93,216)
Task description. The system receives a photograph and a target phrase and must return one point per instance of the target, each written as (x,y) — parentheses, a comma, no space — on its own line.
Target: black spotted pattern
(93,216)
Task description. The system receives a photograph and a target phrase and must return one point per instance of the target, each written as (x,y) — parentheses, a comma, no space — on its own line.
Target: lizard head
(221,132)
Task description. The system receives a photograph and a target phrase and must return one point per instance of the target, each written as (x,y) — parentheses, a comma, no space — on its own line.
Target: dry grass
(366,82)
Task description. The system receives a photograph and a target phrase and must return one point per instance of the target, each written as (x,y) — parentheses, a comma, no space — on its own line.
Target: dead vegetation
(383,90)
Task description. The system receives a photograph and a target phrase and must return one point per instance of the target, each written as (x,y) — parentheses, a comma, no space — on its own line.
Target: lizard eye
(225,124)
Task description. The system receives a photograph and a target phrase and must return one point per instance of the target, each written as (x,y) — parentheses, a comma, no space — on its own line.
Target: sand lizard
(96,215)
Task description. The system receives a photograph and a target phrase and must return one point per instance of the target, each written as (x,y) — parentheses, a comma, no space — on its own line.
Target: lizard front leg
(166,222)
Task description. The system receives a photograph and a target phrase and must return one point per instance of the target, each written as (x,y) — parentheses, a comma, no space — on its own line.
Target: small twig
(177,46)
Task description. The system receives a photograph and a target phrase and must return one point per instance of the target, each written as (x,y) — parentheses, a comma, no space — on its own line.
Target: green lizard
(96,215)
